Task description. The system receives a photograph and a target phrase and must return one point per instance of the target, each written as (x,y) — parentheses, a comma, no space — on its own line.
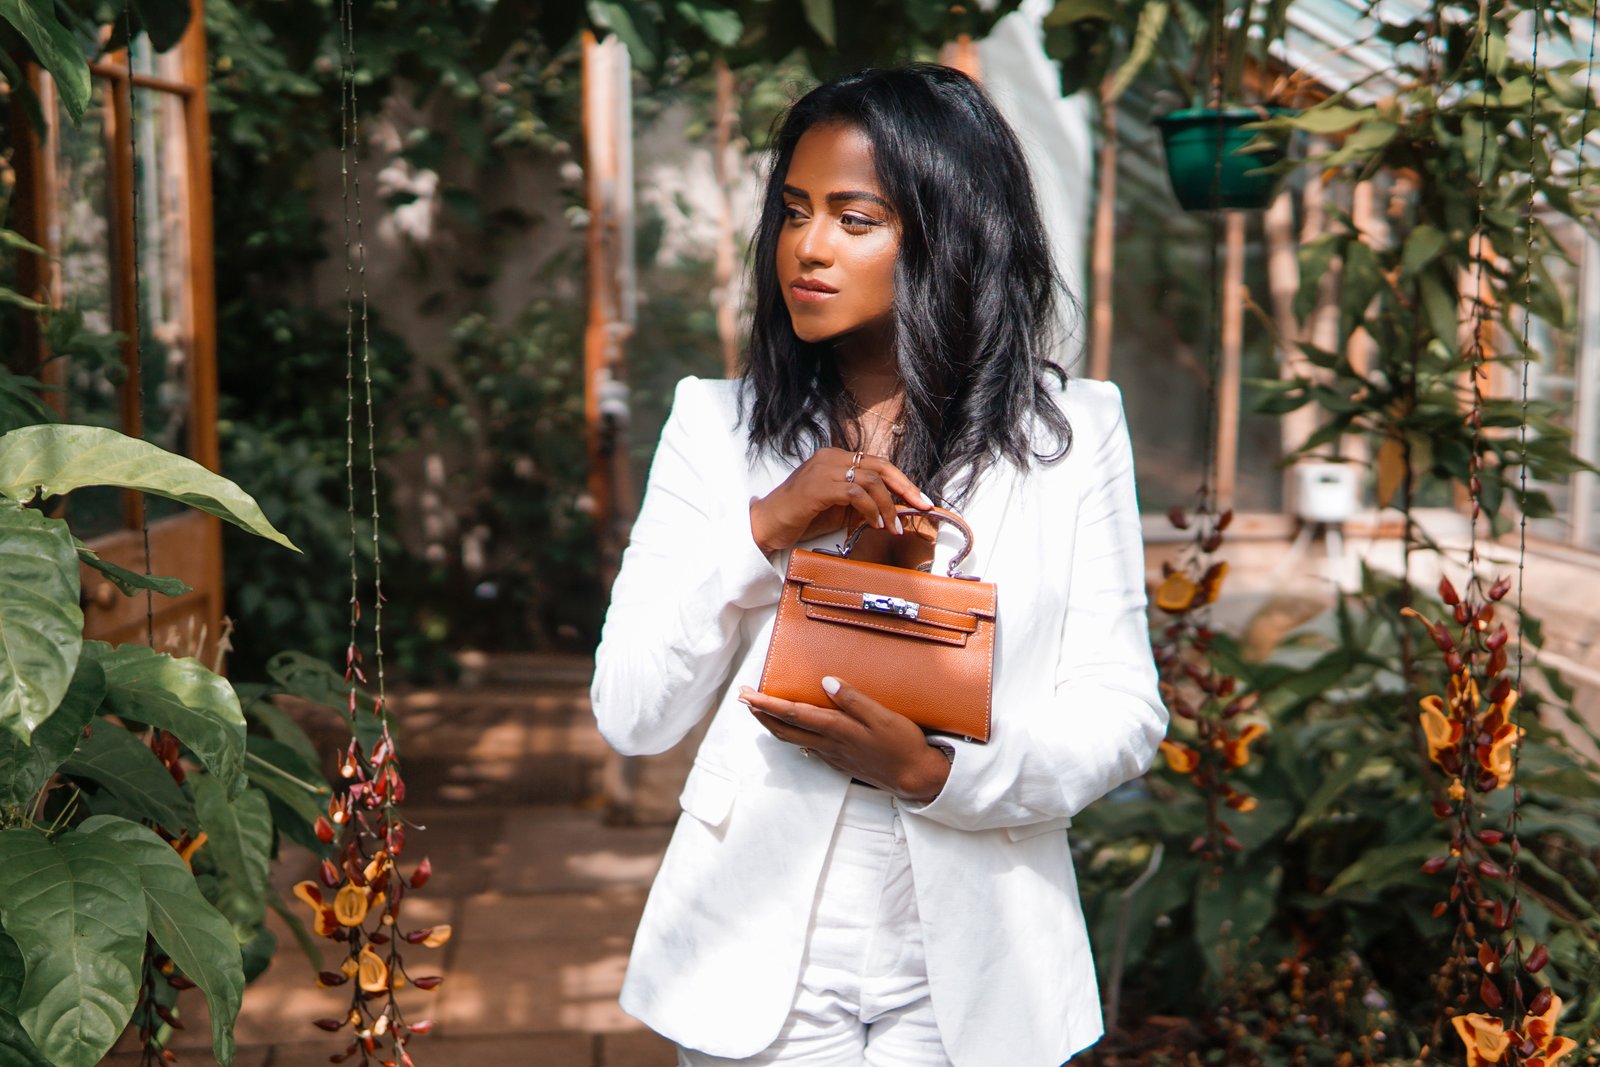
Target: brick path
(543,895)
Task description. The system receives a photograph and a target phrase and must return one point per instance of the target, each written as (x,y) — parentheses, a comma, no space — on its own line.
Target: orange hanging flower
(1541,1030)
(1496,756)
(373,972)
(1442,732)
(1484,1036)
(350,905)
(439,935)
(1181,759)
(325,923)
(1176,593)
(1236,750)
(187,850)
(1211,582)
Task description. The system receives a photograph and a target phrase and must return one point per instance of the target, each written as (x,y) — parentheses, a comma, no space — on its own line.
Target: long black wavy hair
(976,288)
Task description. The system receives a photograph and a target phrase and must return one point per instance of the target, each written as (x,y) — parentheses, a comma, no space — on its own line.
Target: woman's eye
(856,222)
(792,213)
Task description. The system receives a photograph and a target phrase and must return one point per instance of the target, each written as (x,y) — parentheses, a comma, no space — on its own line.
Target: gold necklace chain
(895,426)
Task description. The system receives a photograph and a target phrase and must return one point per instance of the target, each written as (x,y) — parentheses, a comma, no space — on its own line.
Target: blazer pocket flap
(708,795)
(1034,829)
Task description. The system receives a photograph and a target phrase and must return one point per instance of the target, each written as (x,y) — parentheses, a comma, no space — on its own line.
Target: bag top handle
(941,514)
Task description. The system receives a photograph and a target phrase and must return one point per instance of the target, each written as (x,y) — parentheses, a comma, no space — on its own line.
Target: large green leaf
(125,766)
(180,696)
(16,1047)
(280,726)
(58,459)
(194,934)
(281,771)
(76,909)
(238,845)
(130,582)
(25,768)
(41,625)
(57,50)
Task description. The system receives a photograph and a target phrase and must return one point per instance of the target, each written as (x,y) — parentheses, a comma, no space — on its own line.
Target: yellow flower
(373,972)
(1541,1031)
(438,936)
(186,853)
(1484,1036)
(350,906)
(1176,593)
(1181,759)
(324,922)
(1442,733)
(1237,749)
(1456,790)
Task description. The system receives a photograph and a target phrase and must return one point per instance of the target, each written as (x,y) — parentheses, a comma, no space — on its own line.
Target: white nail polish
(898,529)
(925,499)
(830,685)
(879,519)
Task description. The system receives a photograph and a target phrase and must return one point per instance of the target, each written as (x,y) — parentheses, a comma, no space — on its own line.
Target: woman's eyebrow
(841,196)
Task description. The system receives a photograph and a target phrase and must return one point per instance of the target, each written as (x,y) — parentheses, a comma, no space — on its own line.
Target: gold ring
(855,461)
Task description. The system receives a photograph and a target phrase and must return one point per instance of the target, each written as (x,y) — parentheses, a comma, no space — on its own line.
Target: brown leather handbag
(920,644)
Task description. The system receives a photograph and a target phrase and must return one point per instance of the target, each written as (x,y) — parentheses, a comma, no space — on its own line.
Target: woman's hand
(859,737)
(821,495)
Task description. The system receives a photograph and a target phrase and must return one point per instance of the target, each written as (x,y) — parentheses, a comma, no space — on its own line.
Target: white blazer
(1076,712)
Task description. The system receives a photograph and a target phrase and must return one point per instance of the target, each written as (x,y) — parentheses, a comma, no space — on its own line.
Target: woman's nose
(814,248)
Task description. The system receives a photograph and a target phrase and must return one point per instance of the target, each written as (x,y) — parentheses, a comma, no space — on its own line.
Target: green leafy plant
(1329,859)
(138,814)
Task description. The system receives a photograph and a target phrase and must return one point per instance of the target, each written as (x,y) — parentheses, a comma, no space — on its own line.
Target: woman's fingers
(871,497)
(798,724)
(897,482)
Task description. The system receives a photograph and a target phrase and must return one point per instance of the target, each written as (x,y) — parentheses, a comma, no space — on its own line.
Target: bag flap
(961,595)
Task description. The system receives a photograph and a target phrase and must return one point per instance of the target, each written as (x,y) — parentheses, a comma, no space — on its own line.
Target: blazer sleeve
(689,573)
(1106,719)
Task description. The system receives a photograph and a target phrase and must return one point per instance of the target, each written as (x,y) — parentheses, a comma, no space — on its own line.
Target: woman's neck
(867,365)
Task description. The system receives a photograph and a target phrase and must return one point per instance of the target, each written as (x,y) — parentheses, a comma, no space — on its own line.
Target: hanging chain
(370,884)
(1514,820)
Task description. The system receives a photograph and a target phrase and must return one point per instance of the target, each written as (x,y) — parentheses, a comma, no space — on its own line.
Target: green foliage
(1202,46)
(48,460)
(1329,868)
(1405,294)
(98,787)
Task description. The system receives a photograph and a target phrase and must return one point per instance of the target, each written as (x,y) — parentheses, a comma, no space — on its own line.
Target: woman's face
(839,238)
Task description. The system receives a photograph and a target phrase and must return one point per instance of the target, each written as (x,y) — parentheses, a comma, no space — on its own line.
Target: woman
(842,888)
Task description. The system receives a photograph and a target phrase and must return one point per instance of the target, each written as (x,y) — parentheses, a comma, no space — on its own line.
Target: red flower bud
(324,830)
(1541,1002)
(1536,961)
(1499,589)
(420,876)
(1434,864)
(1447,592)
(1490,993)
(428,981)
(1178,518)
(329,1025)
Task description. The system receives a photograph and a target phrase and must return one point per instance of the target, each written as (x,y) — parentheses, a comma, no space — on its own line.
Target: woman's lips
(811,290)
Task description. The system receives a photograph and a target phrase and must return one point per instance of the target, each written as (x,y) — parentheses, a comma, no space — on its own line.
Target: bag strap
(941,514)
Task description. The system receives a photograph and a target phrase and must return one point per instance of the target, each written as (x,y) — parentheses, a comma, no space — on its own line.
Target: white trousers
(862,997)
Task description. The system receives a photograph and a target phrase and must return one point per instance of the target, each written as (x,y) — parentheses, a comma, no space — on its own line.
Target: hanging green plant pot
(1193,139)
